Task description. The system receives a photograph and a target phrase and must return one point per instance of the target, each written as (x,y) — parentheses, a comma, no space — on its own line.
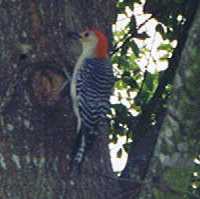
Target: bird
(91,87)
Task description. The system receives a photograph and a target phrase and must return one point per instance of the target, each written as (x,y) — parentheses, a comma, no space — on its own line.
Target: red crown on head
(102,45)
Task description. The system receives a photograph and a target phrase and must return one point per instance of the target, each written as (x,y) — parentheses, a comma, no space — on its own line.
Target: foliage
(136,84)
(133,58)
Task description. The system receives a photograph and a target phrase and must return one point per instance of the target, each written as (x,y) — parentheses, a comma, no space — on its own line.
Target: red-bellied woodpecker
(91,88)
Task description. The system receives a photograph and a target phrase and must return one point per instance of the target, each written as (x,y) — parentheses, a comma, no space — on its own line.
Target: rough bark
(172,165)
(36,138)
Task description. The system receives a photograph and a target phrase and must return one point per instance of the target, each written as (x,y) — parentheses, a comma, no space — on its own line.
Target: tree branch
(128,37)
(146,134)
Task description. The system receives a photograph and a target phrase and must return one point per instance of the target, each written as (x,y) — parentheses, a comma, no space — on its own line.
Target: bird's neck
(91,53)
(88,52)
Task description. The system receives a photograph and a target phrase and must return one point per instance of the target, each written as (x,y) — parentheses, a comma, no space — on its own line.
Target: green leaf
(121,115)
(149,82)
(130,4)
(132,23)
(120,84)
(123,62)
(121,130)
(121,7)
(114,138)
(142,98)
(135,48)
(126,73)
(165,47)
(160,29)
(171,35)
(131,82)
(164,57)
(119,108)
(127,147)
(124,49)
(119,153)
(136,107)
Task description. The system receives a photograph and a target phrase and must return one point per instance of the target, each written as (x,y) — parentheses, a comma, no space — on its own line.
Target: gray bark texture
(172,165)
(37,124)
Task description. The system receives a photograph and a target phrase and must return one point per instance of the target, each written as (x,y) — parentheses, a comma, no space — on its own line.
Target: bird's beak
(74,35)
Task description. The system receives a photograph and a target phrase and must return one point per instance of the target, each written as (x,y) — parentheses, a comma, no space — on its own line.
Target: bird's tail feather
(83,144)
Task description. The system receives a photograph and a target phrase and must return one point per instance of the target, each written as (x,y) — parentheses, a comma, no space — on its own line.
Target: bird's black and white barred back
(91,88)
(94,87)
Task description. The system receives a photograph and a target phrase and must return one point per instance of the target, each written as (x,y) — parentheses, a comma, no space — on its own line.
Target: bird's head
(94,42)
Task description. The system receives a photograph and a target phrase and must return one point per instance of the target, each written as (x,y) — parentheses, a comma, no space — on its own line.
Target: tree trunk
(36,122)
(172,165)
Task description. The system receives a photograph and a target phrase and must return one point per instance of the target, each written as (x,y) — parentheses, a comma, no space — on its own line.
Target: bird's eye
(86,34)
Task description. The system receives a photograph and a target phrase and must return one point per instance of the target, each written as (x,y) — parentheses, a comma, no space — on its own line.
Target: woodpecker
(91,87)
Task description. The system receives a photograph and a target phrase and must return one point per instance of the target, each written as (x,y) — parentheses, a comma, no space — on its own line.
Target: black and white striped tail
(84,142)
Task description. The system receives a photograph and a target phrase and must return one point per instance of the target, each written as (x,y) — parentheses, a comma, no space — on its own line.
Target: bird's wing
(94,87)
